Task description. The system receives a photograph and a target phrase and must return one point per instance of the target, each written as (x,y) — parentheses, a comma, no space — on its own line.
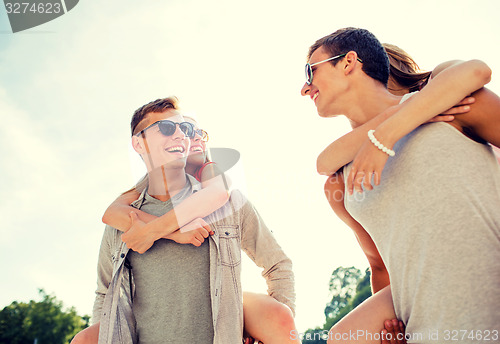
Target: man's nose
(305,89)
(178,132)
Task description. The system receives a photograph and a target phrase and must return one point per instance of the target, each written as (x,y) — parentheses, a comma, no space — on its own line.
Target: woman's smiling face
(197,150)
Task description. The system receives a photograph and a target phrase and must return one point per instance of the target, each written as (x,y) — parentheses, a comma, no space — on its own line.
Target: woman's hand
(193,233)
(138,238)
(449,115)
(370,161)
(196,224)
(393,332)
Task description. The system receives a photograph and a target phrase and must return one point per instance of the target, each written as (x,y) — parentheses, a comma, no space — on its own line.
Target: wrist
(386,135)
(378,144)
(170,236)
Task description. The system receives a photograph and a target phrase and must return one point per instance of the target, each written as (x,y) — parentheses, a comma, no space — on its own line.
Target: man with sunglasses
(434,215)
(175,292)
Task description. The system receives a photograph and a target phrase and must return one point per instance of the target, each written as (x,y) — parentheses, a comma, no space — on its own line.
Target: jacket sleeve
(104,272)
(261,246)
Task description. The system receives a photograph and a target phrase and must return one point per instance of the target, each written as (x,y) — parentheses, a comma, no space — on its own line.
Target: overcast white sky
(68,89)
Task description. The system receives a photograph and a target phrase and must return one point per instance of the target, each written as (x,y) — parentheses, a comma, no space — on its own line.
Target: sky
(68,89)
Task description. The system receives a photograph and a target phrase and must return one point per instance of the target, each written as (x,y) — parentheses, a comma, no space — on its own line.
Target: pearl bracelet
(379,145)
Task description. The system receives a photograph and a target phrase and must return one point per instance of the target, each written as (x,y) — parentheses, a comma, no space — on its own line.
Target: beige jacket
(237,226)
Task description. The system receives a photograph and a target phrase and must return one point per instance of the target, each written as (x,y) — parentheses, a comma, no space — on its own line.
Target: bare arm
(117,214)
(481,124)
(217,187)
(447,88)
(343,150)
(483,121)
(462,78)
(141,233)
(211,197)
(334,192)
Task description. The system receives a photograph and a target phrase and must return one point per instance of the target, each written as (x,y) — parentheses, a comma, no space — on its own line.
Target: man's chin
(328,114)
(175,164)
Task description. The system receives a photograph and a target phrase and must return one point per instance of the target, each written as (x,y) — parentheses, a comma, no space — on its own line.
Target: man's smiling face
(158,149)
(326,85)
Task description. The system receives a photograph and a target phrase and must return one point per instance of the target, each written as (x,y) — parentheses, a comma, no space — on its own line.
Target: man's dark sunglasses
(168,128)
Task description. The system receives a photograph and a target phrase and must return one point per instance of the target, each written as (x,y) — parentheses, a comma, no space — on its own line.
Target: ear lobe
(351,59)
(138,144)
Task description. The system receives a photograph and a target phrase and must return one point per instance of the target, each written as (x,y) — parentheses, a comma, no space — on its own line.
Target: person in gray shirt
(433,216)
(175,292)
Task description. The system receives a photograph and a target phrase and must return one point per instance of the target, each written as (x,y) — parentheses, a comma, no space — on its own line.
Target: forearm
(202,203)
(444,91)
(213,195)
(198,205)
(343,150)
(117,216)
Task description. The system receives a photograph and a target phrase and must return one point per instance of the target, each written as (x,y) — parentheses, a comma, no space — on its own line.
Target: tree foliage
(45,321)
(348,288)
(342,287)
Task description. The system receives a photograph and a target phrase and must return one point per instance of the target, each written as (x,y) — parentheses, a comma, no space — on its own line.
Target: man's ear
(351,61)
(138,144)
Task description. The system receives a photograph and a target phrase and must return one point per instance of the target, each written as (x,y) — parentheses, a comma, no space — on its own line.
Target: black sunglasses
(168,128)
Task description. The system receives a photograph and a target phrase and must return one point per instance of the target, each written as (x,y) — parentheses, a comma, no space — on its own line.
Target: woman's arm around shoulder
(117,215)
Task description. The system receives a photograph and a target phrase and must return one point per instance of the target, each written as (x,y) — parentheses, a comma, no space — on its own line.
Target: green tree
(342,287)
(348,288)
(46,321)
(12,327)
(315,336)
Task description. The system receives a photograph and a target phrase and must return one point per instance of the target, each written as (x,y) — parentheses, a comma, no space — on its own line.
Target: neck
(191,168)
(164,183)
(369,102)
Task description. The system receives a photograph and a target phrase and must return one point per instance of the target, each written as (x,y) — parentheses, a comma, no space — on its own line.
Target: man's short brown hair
(158,105)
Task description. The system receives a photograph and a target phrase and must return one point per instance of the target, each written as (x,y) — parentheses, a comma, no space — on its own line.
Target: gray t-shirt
(435,218)
(172,301)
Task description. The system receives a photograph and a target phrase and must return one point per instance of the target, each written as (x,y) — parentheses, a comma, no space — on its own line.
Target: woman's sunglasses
(202,133)
(168,128)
